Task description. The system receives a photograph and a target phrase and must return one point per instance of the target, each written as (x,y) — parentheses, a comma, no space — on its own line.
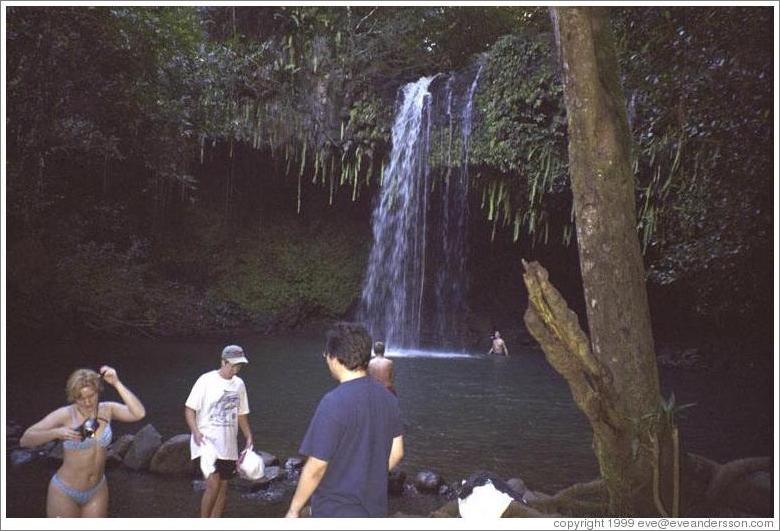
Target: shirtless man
(381,368)
(498,347)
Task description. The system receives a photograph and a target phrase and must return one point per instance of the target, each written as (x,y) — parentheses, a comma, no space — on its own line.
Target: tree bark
(613,374)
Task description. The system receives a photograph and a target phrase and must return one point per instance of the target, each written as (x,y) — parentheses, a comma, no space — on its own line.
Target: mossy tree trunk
(613,373)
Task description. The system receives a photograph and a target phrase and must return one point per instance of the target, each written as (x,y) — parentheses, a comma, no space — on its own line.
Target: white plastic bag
(250,465)
(484,501)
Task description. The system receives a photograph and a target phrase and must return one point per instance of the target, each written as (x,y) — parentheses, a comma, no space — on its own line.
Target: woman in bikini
(79,489)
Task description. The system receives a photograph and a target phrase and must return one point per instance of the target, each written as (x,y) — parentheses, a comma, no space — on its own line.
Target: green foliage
(275,271)
(701,97)
(520,133)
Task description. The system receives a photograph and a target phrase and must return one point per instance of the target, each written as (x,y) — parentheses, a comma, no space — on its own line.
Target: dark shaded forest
(181,171)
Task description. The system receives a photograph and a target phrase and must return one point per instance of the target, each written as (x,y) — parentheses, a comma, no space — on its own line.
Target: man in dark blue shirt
(354,438)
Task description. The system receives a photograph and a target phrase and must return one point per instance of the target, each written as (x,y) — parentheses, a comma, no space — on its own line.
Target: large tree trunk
(613,375)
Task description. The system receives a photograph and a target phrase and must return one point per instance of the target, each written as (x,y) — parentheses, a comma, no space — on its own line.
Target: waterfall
(415,283)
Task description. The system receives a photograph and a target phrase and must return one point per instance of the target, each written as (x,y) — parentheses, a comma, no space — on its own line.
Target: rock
(268,459)
(143,448)
(448,510)
(395,482)
(118,449)
(44,449)
(55,454)
(21,456)
(272,473)
(446,491)
(530,496)
(517,485)
(13,430)
(292,463)
(427,481)
(752,494)
(173,457)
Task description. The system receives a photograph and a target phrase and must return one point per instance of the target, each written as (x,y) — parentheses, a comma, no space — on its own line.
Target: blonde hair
(80,379)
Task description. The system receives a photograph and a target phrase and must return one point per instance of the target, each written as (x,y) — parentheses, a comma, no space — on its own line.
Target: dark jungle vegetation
(180,170)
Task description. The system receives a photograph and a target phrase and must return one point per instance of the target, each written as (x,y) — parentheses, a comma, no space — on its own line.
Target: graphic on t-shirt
(224,411)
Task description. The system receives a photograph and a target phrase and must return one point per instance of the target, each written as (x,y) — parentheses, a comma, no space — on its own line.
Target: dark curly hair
(349,343)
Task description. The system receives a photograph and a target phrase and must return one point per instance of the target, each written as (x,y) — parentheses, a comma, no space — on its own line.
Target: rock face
(143,448)
(428,482)
(173,457)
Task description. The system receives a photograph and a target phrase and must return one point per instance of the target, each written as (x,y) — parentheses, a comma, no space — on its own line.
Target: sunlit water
(462,412)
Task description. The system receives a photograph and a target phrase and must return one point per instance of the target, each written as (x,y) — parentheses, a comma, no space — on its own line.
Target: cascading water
(415,283)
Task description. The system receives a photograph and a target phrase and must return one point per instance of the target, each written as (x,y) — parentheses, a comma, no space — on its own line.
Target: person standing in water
(498,346)
(381,368)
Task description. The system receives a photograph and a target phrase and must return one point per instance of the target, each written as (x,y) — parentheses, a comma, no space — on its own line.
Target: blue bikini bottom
(81,497)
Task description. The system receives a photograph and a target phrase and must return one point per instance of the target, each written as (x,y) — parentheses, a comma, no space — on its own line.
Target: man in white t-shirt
(216,408)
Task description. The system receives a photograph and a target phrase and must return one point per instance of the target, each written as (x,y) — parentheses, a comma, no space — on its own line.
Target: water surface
(461,412)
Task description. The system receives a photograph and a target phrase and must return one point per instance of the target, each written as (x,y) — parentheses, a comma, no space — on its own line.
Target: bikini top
(104,439)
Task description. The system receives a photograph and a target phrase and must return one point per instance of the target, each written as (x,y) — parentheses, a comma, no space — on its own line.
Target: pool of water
(461,412)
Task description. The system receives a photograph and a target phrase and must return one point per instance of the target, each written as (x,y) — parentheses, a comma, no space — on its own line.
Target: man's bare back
(381,368)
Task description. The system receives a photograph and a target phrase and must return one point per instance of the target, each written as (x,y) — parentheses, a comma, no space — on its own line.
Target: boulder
(44,449)
(13,430)
(118,449)
(517,485)
(21,456)
(427,481)
(752,494)
(268,459)
(55,454)
(173,457)
(395,482)
(448,510)
(272,473)
(143,448)
(292,463)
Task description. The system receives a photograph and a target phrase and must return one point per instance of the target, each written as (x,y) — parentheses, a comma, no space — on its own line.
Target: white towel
(208,458)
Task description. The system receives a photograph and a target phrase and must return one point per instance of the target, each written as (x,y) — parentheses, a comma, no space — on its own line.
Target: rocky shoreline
(746,490)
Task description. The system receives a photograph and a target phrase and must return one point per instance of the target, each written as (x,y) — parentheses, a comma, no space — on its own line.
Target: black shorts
(226,468)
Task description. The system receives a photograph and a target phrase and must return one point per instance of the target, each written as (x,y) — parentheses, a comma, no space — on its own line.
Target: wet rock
(173,457)
(44,449)
(55,454)
(530,496)
(446,491)
(13,430)
(21,456)
(517,485)
(428,482)
(268,458)
(395,482)
(272,495)
(118,449)
(272,473)
(292,463)
(143,448)
(448,510)
(752,494)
